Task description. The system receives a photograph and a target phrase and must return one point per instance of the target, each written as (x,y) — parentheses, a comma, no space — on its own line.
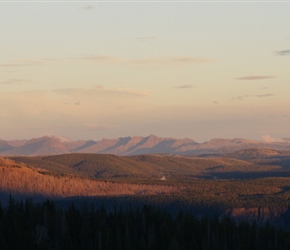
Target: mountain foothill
(242,178)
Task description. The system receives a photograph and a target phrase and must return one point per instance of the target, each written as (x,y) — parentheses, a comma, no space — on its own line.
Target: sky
(101,69)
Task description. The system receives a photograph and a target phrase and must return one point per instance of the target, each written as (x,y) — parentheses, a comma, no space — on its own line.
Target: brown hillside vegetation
(19,179)
(189,180)
(182,165)
(256,153)
(142,166)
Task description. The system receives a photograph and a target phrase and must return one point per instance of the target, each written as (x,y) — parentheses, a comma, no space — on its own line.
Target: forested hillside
(43,226)
(240,188)
(22,181)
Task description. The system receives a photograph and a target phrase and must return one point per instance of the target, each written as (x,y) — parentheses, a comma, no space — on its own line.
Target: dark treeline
(25,225)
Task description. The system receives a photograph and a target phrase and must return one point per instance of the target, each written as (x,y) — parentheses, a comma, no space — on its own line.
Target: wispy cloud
(98,58)
(283,52)
(24,63)
(77,103)
(240,97)
(27,61)
(152,60)
(14,81)
(185,86)
(101,90)
(184,59)
(88,7)
(8,65)
(257,77)
(265,95)
(96,127)
(146,38)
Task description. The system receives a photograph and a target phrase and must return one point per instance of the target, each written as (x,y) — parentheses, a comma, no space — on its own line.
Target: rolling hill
(21,181)
(141,166)
(171,180)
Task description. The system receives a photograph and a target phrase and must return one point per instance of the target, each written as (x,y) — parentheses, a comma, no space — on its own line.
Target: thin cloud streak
(9,65)
(283,52)
(14,82)
(96,127)
(185,86)
(101,90)
(24,63)
(153,60)
(88,7)
(265,95)
(242,97)
(146,38)
(250,78)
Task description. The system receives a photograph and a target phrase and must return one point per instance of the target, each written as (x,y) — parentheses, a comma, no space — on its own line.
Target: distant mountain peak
(60,138)
(134,145)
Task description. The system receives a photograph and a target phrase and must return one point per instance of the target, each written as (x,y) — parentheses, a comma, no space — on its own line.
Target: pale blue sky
(88,70)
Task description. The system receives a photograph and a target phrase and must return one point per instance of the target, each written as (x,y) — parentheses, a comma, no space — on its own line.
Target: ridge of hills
(24,179)
(169,178)
(239,183)
(149,167)
(136,145)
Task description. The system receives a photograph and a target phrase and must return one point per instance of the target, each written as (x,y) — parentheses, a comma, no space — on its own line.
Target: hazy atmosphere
(88,70)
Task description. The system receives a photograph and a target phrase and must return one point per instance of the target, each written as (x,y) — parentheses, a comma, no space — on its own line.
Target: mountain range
(136,145)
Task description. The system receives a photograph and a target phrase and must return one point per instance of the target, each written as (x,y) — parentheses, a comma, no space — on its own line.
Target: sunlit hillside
(21,180)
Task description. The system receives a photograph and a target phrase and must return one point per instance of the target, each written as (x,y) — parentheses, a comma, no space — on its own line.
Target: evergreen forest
(27,225)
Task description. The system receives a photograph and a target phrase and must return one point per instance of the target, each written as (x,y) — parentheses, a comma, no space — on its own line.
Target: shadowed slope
(4,146)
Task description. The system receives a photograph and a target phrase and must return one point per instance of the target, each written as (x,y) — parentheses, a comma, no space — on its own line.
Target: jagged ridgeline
(135,145)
